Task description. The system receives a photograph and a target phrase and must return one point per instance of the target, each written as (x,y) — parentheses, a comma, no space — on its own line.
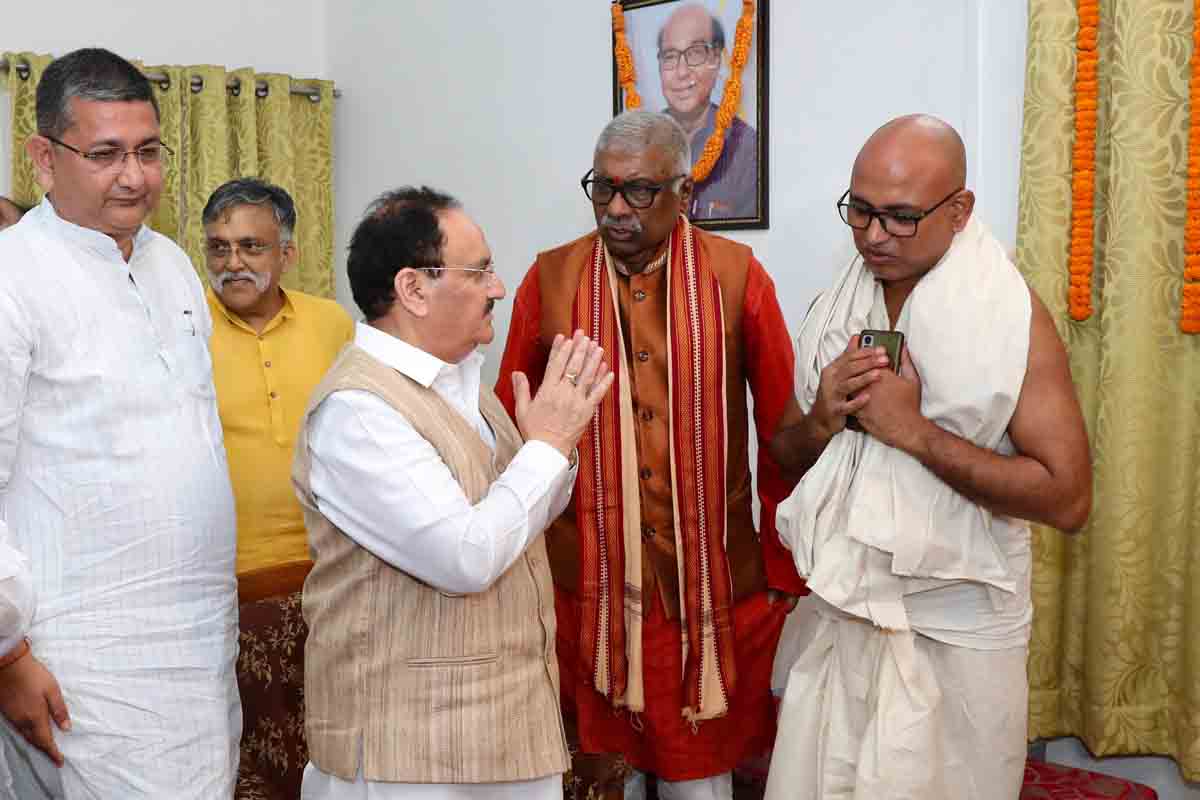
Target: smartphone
(893,343)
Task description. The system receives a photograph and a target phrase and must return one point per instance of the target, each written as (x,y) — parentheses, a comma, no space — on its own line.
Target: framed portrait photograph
(683,55)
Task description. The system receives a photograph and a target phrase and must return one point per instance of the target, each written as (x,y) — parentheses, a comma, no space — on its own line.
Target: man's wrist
(16,654)
(820,431)
(917,443)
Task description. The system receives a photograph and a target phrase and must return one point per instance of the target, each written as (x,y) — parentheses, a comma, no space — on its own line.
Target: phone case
(891,341)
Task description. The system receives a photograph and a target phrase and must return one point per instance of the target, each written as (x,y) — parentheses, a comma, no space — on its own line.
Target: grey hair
(252,192)
(89,74)
(635,131)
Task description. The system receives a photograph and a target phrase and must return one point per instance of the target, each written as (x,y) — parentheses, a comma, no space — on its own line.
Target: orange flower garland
(1083,162)
(730,98)
(1189,312)
(626,75)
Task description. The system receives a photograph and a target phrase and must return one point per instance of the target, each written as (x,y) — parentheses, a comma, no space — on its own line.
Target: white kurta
(375,477)
(114,490)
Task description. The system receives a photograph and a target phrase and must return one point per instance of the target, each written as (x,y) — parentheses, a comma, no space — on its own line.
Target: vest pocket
(454,661)
(453,631)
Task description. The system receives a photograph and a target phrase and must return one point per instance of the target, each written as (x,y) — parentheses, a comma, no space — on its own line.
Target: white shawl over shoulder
(868,524)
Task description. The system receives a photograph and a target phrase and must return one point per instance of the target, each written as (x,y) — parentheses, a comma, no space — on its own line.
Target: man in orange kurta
(658,548)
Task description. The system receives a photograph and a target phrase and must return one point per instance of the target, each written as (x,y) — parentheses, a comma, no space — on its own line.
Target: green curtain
(1115,654)
(218,134)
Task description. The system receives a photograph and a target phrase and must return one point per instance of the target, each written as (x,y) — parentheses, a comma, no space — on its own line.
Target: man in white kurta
(910,681)
(117,532)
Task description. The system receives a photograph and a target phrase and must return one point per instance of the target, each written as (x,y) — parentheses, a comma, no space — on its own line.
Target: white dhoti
(853,725)
(911,680)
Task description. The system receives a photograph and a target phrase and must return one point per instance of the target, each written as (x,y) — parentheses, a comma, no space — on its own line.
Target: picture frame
(735,194)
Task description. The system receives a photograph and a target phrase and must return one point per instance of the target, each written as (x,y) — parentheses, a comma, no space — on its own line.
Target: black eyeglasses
(638,194)
(106,158)
(901,224)
(696,55)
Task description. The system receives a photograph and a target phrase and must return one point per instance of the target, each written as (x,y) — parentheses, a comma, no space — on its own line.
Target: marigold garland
(626,75)
(1083,162)
(1189,312)
(730,98)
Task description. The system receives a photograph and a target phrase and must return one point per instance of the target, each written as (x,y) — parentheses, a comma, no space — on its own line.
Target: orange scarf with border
(608,514)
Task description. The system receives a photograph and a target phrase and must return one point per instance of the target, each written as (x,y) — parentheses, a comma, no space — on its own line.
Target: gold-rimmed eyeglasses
(486,273)
(102,159)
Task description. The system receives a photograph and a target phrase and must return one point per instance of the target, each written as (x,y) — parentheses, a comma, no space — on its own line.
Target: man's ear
(685,195)
(40,152)
(963,204)
(412,291)
(291,254)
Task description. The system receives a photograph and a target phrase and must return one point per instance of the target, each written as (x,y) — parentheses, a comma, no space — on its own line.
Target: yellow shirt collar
(287,312)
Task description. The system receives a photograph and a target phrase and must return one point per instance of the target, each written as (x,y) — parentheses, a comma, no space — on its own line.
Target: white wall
(500,104)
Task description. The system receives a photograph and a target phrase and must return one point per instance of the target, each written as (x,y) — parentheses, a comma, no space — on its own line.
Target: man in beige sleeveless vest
(429,668)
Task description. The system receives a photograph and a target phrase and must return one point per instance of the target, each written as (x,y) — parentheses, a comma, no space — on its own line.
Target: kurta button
(643,355)
(647,415)
(266,363)
(639,295)
(274,395)
(647,532)
(645,473)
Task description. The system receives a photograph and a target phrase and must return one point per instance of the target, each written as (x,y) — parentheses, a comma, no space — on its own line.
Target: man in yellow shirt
(270,348)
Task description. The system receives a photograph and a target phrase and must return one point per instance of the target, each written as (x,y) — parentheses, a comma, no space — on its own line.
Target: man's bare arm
(1048,480)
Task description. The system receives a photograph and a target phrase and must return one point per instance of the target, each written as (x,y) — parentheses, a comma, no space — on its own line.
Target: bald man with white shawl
(911,531)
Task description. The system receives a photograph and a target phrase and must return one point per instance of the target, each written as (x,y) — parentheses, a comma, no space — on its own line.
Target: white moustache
(220,279)
(631,222)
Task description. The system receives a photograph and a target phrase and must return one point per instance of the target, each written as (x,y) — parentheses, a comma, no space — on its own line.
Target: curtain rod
(197,83)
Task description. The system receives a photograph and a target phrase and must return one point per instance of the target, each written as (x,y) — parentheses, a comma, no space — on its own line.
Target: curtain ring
(262,90)
(314,96)
(235,88)
(165,83)
(23,70)
(197,84)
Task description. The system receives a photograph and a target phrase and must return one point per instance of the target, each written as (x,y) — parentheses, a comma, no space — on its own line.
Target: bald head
(696,21)
(917,144)
(913,168)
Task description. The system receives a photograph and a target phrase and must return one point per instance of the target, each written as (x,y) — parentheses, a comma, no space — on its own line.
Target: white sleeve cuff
(541,458)
(17,599)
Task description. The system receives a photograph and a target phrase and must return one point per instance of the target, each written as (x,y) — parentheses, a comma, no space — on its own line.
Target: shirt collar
(651,268)
(99,243)
(421,366)
(287,312)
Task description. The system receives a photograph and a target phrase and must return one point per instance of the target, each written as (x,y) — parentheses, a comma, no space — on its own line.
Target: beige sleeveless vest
(429,687)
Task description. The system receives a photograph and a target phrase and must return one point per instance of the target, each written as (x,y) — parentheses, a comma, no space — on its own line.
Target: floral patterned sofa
(270,673)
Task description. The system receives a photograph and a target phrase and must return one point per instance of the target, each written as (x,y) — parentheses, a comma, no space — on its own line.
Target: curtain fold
(1115,652)
(218,134)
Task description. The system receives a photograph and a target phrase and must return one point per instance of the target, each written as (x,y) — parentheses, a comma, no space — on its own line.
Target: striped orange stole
(608,512)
